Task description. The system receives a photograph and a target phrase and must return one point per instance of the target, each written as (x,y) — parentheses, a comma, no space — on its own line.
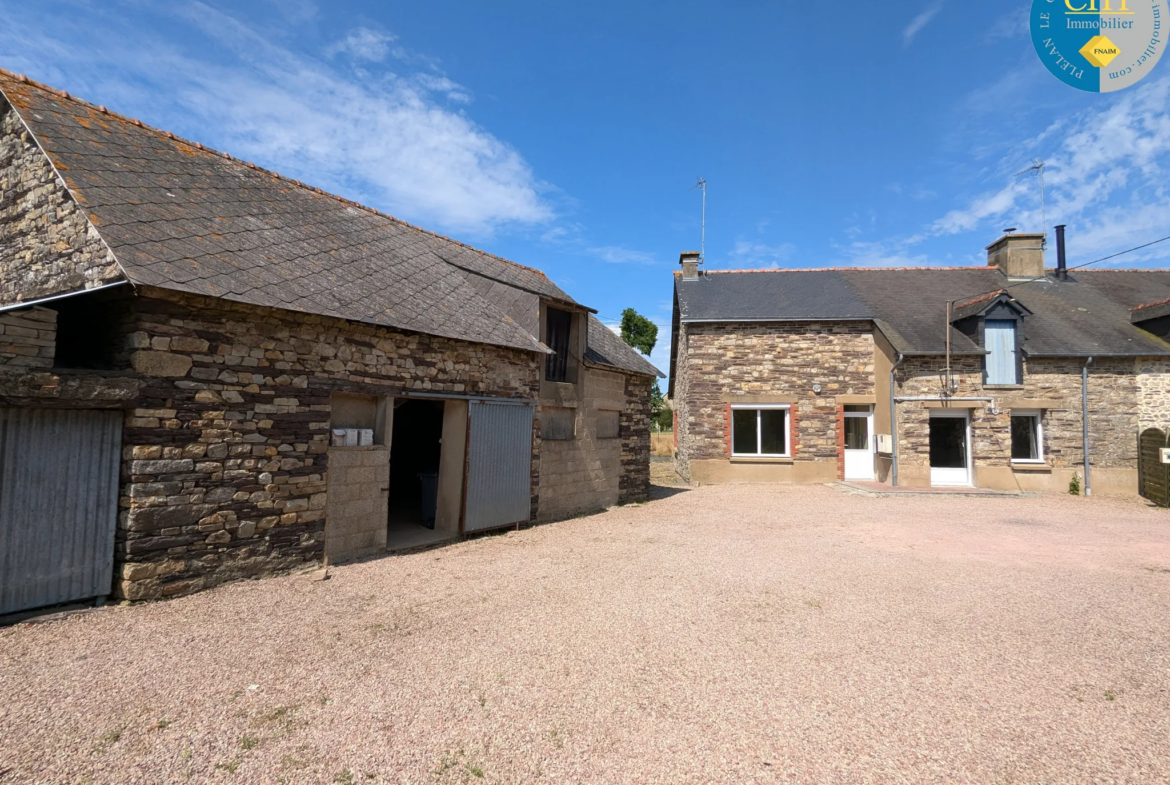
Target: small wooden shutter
(1000,339)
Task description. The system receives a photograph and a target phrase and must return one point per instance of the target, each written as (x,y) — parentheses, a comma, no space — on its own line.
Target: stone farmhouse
(1009,376)
(209,371)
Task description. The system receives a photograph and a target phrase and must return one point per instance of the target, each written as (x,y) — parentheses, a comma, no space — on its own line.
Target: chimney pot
(690,265)
(1018,255)
(1061,263)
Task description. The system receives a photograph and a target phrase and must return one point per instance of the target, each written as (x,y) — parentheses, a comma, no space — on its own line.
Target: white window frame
(1039,415)
(757,408)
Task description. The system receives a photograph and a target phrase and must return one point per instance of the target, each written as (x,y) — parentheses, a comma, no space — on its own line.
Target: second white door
(858,442)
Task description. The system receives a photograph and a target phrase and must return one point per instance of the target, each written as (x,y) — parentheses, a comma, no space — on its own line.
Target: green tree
(658,411)
(638,331)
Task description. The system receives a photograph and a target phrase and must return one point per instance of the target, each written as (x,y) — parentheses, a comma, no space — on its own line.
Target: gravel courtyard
(722,634)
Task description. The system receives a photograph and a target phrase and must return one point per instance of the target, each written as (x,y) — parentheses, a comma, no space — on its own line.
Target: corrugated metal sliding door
(58,505)
(499,465)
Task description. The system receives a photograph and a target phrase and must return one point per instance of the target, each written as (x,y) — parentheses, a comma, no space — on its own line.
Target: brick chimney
(1018,255)
(690,265)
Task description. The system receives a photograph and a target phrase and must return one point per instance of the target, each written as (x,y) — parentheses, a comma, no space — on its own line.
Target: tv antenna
(702,186)
(1038,167)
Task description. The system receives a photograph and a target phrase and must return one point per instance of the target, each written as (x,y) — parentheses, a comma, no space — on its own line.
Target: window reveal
(1027,437)
(557,327)
(762,431)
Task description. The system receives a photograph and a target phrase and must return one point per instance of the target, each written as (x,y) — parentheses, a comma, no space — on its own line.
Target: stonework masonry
(46,241)
(634,484)
(722,364)
(227,407)
(28,338)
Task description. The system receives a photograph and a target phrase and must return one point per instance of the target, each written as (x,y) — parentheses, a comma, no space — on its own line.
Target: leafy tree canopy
(638,331)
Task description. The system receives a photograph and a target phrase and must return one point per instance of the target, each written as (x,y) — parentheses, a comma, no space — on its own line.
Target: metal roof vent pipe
(1061,264)
(690,265)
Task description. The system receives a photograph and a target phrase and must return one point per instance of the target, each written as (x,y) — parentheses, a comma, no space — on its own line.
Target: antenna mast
(1038,167)
(702,186)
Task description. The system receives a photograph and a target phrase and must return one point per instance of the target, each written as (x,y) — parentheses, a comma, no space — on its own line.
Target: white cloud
(746,253)
(379,137)
(364,44)
(615,254)
(1105,177)
(886,253)
(919,22)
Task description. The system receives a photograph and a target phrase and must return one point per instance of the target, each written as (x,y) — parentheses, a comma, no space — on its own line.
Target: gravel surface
(724,634)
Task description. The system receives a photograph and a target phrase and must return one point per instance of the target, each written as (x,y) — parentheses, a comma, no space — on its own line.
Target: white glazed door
(950,448)
(859,443)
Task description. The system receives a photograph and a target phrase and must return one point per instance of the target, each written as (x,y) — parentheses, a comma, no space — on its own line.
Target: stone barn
(209,371)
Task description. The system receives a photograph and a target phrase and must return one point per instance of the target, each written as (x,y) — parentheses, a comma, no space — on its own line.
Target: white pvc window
(760,431)
(1027,437)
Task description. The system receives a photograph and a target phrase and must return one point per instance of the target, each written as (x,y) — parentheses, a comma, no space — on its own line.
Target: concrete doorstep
(880,489)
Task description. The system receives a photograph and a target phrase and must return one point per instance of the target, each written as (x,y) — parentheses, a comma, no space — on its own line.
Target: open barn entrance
(426,471)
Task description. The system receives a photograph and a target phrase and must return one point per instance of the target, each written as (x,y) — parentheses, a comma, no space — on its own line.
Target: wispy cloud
(615,254)
(746,253)
(917,23)
(1105,176)
(364,44)
(381,136)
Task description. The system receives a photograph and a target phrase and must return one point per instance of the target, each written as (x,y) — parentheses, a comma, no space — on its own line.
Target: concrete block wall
(28,338)
(358,490)
(584,474)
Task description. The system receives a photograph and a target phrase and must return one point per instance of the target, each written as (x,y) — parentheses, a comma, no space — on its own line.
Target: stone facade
(722,364)
(28,338)
(634,485)
(46,241)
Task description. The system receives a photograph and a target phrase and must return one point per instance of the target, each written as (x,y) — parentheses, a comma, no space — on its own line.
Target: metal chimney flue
(1061,264)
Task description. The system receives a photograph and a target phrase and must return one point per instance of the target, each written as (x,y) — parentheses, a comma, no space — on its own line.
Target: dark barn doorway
(415,450)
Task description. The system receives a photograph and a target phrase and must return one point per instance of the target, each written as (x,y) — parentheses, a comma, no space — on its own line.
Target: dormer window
(999,337)
(558,326)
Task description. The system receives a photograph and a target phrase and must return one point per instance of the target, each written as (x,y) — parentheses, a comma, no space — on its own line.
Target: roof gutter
(39,301)
(764,320)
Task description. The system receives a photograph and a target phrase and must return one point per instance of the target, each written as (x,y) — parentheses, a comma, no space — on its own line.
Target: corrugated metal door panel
(58,505)
(499,465)
(1000,337)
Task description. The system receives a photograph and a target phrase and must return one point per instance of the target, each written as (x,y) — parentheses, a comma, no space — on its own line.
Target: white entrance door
(858,442)
(950,453)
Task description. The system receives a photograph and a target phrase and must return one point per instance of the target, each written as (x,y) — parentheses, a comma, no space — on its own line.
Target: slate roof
(606,348)
(1088,314)
(182,217)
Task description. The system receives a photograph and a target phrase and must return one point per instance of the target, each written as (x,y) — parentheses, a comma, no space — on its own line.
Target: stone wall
(1153,394)
(355,510)
(28,338)
(583,474)
(1052,385)
(225,450)
(635,438)
(722,364)
(47,245)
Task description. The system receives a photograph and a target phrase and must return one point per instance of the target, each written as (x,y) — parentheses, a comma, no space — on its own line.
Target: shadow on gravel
(665,491)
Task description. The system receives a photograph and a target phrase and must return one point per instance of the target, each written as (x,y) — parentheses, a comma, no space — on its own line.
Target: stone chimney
(690,265)
(1018,255)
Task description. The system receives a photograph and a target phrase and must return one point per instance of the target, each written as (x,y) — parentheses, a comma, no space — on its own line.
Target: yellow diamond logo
(1100,51)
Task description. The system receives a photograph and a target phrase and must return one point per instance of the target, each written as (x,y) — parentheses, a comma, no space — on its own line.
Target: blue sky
(568,137)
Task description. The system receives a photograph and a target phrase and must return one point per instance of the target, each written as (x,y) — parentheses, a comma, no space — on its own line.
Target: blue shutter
(1000,339)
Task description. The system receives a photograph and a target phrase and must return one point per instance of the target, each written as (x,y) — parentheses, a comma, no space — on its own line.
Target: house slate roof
(605,347)
(1090,313)
(183,217)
